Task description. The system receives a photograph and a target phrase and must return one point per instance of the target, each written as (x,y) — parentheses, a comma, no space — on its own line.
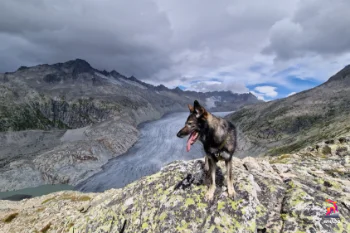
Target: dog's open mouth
(191,139)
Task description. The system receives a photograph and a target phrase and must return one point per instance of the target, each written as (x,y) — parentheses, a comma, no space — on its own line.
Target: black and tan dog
(219,140)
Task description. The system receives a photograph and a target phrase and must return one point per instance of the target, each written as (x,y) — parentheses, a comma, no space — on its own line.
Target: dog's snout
(179,134)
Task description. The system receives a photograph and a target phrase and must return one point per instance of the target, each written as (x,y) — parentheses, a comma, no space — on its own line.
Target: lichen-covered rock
(280,194)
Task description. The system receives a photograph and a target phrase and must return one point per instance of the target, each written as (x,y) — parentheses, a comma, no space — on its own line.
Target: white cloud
(208,85)
(258,95)
(267,91)
(292,93)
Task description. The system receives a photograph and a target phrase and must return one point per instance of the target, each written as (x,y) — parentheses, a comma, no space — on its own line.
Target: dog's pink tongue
(188,145)
(189,141)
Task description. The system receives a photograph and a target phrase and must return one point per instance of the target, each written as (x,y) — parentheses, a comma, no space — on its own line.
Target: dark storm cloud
(175,42)
(123,35)
(317,27)
(141,37)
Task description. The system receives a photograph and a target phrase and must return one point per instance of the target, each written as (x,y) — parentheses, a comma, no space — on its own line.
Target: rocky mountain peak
(78,63)
(22,68)
(133,78)
(343,74)
(116,74)
(104,72)
(161,87)
(81,66)
(77,66)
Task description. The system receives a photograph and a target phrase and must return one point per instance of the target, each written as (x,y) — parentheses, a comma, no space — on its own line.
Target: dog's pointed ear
(199,110)
(191,108)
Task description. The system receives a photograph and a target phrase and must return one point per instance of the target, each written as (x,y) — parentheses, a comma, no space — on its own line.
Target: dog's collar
(218,154)
(223,143)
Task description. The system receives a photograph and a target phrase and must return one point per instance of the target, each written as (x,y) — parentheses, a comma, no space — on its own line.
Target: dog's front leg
(212,169)
(206,163)
(230,190)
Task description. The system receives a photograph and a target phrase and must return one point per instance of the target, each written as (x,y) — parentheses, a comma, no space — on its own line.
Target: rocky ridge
(285,193)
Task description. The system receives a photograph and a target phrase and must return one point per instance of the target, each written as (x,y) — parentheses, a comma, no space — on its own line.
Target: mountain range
(73,94)
(60,123)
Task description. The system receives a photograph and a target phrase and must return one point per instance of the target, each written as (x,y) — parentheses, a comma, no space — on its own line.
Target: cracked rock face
(280,194)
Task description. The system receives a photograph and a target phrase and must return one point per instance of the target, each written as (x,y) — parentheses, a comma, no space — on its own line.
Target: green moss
(284,158)
(46,228)
(319,181)
(202,205)
(211,229)
(235,204)
(74,197)
(236,224)
(183,227)
(261,211)
(287,149)
(40,209)
(47,200)
(335,184)
(291,184)
(252,226)
(297,197)
(326,150)
(189,201)
(348,227)
(220,228)
(340,227)
(162,216)
(10,217)
(221,205)
(70,225)
(284,217)
(144,225)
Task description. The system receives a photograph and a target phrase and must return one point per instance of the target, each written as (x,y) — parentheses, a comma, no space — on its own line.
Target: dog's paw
(209,196)
(231,193)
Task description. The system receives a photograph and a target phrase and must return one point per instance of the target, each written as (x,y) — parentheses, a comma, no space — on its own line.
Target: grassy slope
(286,125)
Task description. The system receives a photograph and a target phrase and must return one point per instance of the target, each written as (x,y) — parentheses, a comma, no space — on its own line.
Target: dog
(219,139)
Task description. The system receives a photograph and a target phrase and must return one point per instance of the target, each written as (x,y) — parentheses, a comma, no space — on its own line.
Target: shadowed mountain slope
(288,124)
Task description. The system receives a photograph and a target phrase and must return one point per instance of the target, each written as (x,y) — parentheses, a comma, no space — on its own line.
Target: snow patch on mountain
(134,83)
(210,102)
(111,80)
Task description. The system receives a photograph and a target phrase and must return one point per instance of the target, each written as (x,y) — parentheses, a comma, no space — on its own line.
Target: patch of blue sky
(296,85)
(182,87)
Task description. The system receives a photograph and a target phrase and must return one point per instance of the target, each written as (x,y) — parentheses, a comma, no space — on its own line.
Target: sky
(271,48)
